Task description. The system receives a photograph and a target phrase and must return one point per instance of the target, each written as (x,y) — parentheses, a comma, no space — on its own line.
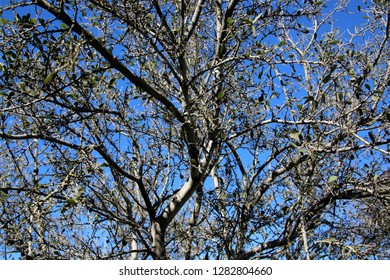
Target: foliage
(194,129)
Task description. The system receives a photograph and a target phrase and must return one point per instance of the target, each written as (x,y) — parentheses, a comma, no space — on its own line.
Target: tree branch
(114,62)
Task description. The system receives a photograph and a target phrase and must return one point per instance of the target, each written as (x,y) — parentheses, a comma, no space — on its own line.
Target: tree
(185,129)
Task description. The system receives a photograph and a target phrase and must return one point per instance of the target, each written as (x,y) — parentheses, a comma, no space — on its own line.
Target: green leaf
(72,201)
(220,95)
(358,81)
(332,179)
(49,77)
(326,78)
(296,135)
(334,42)
(229,21)
(294,145)
(3,21)
(149,18)
(282,43)
(323,97)
(372,137)
(341,57)
(309,98)
(63,26)
(247,20)
(315,104)
(25,123)
(222,50)
(64,209)
(22,86)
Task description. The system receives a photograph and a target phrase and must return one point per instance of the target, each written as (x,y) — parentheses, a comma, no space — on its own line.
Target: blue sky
(343,21)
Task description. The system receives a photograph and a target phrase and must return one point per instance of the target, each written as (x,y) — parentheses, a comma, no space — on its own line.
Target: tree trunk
(158,238)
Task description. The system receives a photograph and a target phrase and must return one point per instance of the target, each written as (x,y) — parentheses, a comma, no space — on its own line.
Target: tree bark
(158,241)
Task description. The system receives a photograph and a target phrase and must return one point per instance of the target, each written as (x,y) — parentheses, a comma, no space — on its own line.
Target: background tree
(194,129)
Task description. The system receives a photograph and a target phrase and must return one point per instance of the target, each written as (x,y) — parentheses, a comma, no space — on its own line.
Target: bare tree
(192,129)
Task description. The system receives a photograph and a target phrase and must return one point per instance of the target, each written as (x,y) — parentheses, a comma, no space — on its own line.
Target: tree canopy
(194,129)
